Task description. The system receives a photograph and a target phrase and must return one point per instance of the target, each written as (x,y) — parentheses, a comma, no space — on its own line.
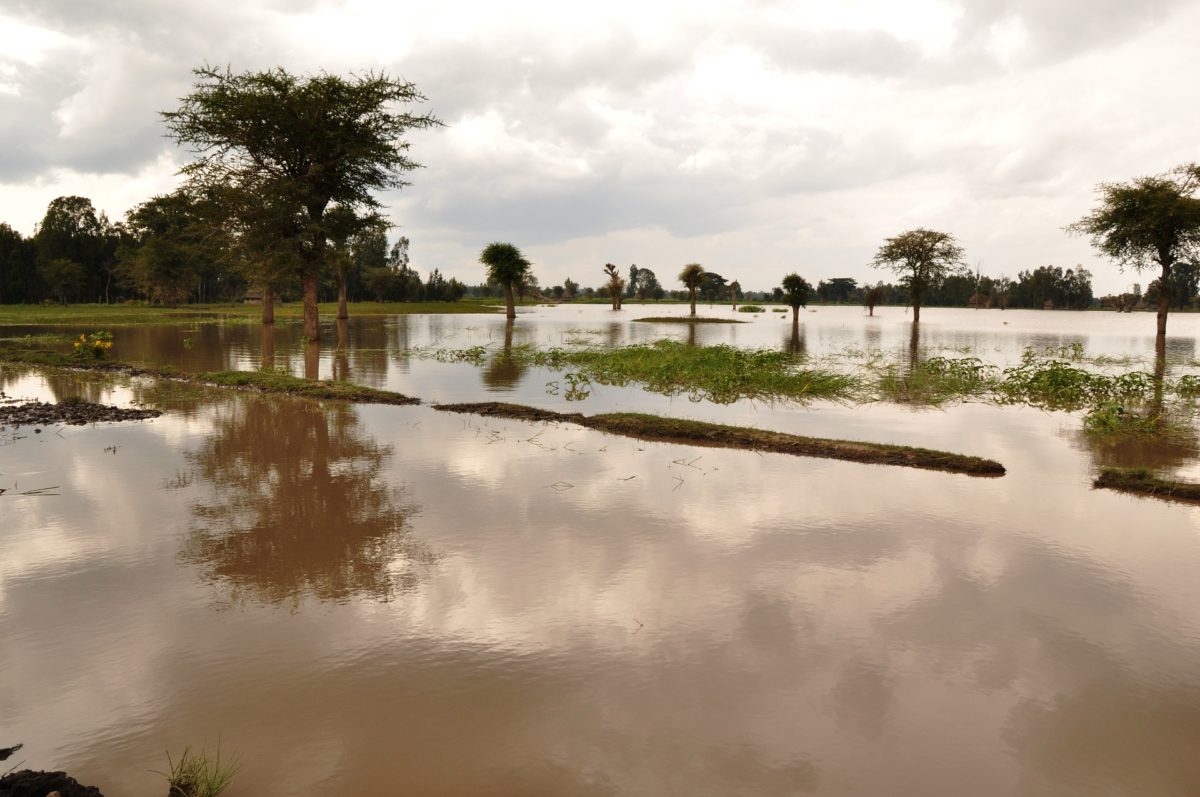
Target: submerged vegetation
(721,374)
(687,319)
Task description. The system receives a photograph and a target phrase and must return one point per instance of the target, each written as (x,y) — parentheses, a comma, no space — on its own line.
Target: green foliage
(197,775)
(922,258)
(796,291)
(95,346)
(752,308)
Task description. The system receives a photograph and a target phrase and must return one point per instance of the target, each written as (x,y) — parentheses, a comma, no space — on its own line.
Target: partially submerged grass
(675,430)
(1143,481)
(751,308)
(687,319)
(198,775)
(721,374)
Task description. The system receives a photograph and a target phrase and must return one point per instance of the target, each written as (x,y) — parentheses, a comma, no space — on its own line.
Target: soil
(33,783)
(672,430)
(71,413)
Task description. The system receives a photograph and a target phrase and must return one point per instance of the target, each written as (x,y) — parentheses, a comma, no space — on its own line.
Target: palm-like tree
(795,293)
(507,266)
(691,276)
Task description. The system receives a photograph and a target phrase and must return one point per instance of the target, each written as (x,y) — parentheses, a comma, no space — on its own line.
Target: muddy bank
(31,783)
(70,413)
(1141,481)
(673,430)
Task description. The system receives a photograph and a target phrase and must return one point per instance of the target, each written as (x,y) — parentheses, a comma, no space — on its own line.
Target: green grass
(687,319)
(110,315)
(198,775)
(721,374)
(752,308)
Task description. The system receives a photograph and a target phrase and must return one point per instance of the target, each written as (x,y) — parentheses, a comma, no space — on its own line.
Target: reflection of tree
(341,355)
(298,507)
(796,343)
(1169,443)
(268,346)
(503,371)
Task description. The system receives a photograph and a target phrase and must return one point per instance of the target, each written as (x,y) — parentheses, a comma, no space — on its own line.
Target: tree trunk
(692,296)
(268,300)
(916,303)
(312,329)
(508,300)
(1164,300)
(343,312)
(312,360)
(796,315)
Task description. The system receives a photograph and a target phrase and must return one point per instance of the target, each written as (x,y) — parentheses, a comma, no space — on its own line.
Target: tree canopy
(922,258)
(795,293)
(507,267)
(1147,222)
(297,145)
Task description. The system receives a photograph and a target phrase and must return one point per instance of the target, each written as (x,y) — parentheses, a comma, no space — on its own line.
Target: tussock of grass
(687,319)
(197,775)
(751,308)
(675,430)
(1143,481)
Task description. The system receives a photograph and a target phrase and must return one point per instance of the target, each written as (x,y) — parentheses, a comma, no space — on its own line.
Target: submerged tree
(302,143)
(795,293)
(507,267)
(873,296)
(1148,222)
(691,276)
(922,258)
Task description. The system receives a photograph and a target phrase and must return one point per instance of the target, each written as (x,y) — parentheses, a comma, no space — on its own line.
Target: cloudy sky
(755,137)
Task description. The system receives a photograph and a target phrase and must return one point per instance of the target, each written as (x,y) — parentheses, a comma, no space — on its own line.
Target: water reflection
(503,371)
(796,343)
(297,507)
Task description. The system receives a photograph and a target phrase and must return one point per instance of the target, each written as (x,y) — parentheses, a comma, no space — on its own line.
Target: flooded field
(376,599)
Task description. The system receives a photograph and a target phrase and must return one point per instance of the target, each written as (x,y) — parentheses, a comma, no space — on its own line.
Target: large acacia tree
(507,267)
(299,144)
(922,258)
(1148,222)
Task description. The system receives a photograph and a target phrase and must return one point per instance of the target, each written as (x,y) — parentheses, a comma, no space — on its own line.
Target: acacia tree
(922,258)
(304,143)
(691,276)
(1146,222)
(795,293)
(873,296)
(506,266)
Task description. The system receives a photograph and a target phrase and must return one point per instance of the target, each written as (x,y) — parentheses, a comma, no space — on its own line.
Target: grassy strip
(686,319)
(261,381)
(674,430)
(110,315)
(721,374)
(1142,481)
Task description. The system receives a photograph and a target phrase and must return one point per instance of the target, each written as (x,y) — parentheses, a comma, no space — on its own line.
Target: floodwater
(374,599)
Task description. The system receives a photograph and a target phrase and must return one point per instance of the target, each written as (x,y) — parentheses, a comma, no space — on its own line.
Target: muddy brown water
(366,599)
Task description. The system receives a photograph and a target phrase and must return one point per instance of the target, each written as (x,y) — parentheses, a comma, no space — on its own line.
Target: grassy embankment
(1142,481)
(113,315)
(676,430)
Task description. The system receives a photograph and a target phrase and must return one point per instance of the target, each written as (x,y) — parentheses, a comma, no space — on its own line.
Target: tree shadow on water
(297,507)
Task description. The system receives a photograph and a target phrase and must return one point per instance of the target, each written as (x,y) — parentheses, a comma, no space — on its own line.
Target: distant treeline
(167,251)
